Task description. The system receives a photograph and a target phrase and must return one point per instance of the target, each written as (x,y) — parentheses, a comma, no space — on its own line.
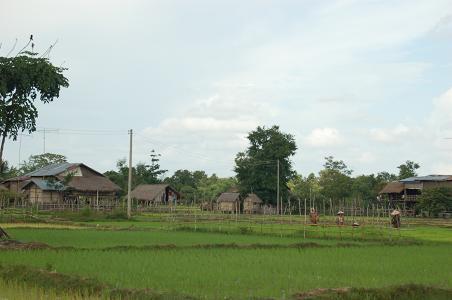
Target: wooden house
(65,183)
(404,193)
(155,194)
(252,204)
(229,202)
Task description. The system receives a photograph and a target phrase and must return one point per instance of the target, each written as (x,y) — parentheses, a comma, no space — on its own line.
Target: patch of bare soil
(16,245)
(320,292)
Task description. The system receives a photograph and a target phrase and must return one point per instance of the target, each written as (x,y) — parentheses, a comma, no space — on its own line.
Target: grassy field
(195,259)
(16,291)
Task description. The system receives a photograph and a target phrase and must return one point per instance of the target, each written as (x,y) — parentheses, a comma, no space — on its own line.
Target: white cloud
(441,116)
(197,78)
(323,137)
(366,157)
(390,135)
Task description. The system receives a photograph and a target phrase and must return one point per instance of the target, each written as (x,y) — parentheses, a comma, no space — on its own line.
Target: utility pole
(129,200)
(279,204)
(44,139)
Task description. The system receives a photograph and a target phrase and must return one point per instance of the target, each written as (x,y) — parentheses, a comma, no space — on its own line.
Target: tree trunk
(1,152)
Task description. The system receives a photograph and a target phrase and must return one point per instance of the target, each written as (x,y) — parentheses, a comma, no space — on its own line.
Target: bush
(435,200)
(7,197)
(86,212)
(117,214)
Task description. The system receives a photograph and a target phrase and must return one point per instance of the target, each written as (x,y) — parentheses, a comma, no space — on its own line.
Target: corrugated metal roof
(52,170)
(427,178)
(47,185)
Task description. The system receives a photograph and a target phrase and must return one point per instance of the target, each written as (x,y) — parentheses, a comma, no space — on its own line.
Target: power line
(190,153)
(203,157)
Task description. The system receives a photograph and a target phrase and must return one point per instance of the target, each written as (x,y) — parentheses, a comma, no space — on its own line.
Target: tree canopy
(408,169)
(335,180)
(197,185)
(256,168)
(41,160)
(435,200)
(142,173)
(24,79)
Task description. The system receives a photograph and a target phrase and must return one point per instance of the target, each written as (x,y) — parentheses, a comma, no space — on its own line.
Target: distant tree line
(336,183)
(256,172)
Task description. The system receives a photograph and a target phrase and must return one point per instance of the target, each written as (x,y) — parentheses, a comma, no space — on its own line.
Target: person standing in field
(395,218)
(314,216)
(340,220)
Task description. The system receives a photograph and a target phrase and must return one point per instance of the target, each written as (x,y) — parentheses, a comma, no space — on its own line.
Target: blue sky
(369,82)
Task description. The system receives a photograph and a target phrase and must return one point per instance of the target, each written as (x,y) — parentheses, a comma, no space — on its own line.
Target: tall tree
(365,187)
(41,160)
(304,187)
(209,188)
(335,179)
(408,169)
(385,177)
(187,183)
(256,168)
(24,79)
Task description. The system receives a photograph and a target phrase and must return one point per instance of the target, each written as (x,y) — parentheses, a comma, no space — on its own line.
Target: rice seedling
(245,273)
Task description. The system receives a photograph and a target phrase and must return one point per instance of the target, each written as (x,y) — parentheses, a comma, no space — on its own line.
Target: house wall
(413,185)
(250,206)
(14,186)
(436,184)
(227,206)
(36,195)
(90,198)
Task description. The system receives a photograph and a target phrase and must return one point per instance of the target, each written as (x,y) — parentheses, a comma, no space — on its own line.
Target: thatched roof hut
(148,194)
(229,202)
(252,204)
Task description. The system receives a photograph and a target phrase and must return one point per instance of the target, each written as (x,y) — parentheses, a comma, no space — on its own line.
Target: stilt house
(229,202)
(252,204)
(404,193)
(66,183)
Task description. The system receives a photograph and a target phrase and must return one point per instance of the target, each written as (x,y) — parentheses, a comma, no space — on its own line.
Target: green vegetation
(12,290)
(435,200)
(401,292)
(106,238)
(24,78)
(244,273)
(170,256)
(257,166)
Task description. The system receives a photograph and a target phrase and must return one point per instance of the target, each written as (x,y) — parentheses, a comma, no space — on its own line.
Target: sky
(368,82)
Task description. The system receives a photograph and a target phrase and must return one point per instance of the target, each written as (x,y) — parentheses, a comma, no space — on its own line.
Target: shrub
(86,212)
(435,200)
(117,214)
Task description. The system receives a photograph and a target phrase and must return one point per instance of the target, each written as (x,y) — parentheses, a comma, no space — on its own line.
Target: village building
(229,202)
(66,183)
(404,193)
(155,194)
(252,204)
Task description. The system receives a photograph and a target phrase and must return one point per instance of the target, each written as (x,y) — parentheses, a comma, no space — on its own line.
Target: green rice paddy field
(203,262)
